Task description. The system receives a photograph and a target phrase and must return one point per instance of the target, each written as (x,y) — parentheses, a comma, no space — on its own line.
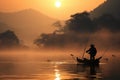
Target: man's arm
(87,50)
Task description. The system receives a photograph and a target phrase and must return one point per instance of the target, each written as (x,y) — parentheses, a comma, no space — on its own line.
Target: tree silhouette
(80,23)
(107,21)
(75,31)
(8,39)
(60,28)
(49,40)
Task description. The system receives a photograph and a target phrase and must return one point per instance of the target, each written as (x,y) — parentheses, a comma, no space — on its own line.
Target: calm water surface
(14,69)
(56,71)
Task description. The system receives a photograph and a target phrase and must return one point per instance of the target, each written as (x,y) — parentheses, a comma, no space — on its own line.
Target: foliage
(80,23)
(8,39)
(107,21)
(77,30)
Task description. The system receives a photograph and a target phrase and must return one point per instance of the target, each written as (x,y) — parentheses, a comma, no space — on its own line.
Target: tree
(60,28)
(9,39)
(107,21)
(80,23)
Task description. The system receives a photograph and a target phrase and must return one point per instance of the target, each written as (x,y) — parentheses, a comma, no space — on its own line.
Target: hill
(4,27)
(108,7)
(28,24)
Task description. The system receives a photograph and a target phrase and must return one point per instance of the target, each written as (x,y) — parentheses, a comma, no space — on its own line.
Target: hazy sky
(65,9)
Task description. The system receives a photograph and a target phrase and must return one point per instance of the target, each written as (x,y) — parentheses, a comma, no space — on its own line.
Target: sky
(59,9)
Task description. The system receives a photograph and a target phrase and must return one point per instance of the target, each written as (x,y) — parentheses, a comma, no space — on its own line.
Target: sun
(58,4)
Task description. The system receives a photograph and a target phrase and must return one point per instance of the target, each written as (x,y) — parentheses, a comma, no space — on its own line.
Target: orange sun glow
(58,3)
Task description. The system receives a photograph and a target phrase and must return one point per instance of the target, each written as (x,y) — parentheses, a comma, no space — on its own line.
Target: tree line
(77,30)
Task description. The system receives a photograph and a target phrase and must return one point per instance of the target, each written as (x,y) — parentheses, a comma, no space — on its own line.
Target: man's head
(92,45)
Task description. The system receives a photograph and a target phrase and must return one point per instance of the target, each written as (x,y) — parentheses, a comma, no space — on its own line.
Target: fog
(42,63)
(106,39)
(33,55)
(106,42)
(52,55)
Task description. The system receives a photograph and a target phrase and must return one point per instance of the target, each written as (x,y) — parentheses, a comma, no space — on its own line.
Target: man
(92,51)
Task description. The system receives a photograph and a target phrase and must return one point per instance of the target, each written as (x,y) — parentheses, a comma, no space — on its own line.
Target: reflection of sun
(58,3)
(57,74)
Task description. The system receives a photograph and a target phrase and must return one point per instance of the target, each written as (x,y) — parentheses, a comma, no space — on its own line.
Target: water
(54,71)
(58,70)
(45,71)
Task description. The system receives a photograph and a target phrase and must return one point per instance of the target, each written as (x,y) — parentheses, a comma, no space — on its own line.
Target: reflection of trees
(77,30)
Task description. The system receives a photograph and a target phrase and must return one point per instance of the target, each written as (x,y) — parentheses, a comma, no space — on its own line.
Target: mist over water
(48,50)
(55,65)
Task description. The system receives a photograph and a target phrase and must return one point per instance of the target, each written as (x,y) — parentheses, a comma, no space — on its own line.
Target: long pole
(85,49)
(84,52)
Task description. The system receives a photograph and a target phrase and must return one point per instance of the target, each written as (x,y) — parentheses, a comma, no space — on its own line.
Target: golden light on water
(57,74)
(58,3)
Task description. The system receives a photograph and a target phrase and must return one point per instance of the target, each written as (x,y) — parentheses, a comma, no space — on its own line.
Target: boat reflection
(92,72)
(77,72)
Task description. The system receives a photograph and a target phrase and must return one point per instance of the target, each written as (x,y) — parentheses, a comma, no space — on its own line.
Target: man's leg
(90,57)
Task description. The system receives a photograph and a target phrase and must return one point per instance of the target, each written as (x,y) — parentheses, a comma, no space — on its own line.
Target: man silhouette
(92,51)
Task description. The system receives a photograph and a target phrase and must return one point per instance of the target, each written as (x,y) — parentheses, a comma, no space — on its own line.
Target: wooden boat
(88,62)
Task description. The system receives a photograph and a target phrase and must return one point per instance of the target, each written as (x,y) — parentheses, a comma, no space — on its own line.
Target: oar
(84,51)
(73,57)
(103,54)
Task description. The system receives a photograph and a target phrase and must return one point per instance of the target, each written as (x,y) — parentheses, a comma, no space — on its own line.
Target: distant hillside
(108,7)
(28,24)
(4,27)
